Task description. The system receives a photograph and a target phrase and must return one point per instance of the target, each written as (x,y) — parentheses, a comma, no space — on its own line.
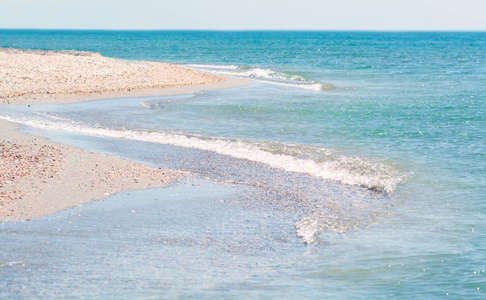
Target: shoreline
(59,77)
(226,83)
(40,177)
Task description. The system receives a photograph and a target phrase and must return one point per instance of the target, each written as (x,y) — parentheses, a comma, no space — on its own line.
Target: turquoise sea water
(360,158)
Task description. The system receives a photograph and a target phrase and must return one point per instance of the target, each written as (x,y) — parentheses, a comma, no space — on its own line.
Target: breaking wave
(266,75)
(319,162)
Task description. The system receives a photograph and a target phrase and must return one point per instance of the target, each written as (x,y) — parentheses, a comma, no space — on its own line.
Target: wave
(14,263)
(319,162)
(377,175)
(266,75)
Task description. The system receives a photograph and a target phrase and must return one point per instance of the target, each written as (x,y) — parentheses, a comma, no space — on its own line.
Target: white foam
(266,75)
(348,170)
(312,86)
(13,263)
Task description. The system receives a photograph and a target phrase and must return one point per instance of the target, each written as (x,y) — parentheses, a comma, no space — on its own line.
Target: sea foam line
(348,170)
(266,75)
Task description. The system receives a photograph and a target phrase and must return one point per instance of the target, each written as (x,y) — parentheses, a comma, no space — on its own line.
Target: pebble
(18,162)
(36,72)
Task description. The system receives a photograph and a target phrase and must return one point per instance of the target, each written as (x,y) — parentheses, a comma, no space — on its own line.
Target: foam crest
(14,263)
(266,75)
(308,86)
(371,174)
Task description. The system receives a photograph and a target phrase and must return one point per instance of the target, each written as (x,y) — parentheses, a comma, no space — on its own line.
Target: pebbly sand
(39,177)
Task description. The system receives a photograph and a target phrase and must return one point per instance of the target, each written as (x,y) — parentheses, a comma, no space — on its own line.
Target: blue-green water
(380,138)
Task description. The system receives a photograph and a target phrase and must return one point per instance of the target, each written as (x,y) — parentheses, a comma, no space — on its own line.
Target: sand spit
(35,76)
(39,177)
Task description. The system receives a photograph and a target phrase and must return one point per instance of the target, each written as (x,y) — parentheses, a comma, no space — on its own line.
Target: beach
(280,188)
(40,77)
(40,177)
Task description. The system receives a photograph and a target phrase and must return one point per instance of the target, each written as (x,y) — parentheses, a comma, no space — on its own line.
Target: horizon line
(249,30)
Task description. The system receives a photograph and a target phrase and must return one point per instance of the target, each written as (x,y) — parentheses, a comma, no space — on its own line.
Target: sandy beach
(39,177)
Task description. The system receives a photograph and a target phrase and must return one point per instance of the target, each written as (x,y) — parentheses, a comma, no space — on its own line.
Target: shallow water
(370,147)
(176,241)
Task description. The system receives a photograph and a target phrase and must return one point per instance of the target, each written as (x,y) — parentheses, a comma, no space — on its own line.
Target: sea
(352,166)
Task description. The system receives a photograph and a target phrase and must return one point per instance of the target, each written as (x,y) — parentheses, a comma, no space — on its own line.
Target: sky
(246,14)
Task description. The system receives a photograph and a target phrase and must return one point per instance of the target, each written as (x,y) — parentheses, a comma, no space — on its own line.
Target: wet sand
(39,177)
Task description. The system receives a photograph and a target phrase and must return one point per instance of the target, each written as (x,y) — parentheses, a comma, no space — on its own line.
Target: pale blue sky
(245,14)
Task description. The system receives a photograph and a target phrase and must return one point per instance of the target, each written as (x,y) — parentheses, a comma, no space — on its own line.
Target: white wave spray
(266,75)
(371,174)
